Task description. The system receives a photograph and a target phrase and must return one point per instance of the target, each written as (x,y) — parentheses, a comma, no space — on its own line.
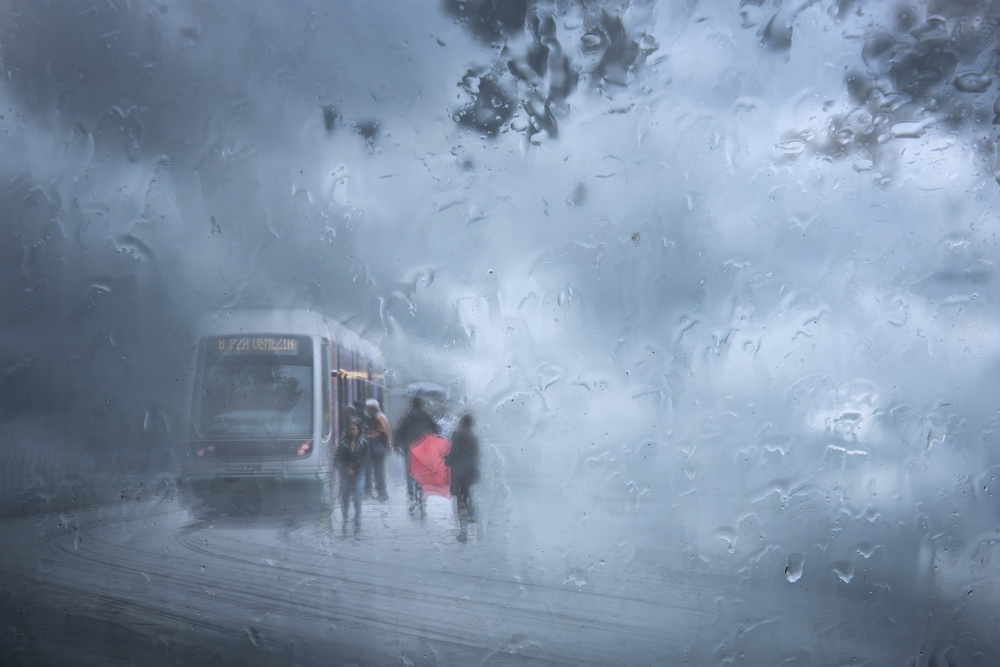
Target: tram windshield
(251,386)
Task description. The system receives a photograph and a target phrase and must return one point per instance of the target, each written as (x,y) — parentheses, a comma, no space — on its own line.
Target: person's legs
(378,463)
(463,517)
(413,492)
(469,510)
(416,494)
(359,491)
(464,512)
(346,492)
(368,479)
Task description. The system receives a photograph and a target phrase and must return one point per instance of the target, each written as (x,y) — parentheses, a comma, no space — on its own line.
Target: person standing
(379,441)
(463,459)
(350,459)
(414,424)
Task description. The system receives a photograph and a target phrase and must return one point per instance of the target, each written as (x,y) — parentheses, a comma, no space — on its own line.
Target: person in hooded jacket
(411,426)
(350,459)
(463,459)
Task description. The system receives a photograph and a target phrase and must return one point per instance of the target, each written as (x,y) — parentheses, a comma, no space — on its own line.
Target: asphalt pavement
(153,581)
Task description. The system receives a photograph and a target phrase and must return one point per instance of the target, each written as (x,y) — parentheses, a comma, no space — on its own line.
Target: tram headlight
(305,447)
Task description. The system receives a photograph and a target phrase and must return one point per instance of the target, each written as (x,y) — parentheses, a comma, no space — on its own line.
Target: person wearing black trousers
(463,459)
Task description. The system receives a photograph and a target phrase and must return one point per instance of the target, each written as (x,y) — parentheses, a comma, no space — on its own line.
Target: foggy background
(718,279)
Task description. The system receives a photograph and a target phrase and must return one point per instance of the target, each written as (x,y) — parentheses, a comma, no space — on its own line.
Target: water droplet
(910,130)
(845,136)
(793,572)
(792,146)
(844,570)
(973,81)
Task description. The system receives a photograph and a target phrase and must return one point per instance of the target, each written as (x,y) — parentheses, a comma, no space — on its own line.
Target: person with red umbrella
(414,424)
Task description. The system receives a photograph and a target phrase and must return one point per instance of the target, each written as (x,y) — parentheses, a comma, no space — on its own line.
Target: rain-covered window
(651,332)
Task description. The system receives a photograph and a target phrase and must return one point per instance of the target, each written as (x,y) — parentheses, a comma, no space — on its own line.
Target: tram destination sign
(253,344)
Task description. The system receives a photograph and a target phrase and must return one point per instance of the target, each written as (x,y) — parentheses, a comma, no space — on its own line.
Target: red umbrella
(427,465)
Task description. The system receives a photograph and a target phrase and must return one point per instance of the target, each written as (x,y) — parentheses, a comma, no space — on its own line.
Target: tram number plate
(250,467)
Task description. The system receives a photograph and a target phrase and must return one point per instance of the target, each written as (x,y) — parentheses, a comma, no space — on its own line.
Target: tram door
(329,412)
(347,384)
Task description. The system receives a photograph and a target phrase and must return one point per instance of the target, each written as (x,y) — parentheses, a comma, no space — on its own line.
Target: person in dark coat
(463,459)
(351,456)
(411,426)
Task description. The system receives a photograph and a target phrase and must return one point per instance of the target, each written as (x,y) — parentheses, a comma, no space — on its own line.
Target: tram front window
(253,394)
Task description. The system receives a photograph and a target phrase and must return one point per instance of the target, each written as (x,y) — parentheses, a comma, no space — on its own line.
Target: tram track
(285,585)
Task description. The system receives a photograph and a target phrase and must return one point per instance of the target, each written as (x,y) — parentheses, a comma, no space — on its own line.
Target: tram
(269,398)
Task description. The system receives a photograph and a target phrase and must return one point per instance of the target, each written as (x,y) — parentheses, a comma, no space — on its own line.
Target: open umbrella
(426,390)
(427,465)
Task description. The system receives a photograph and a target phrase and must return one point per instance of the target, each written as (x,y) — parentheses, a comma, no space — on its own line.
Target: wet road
(156,583)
